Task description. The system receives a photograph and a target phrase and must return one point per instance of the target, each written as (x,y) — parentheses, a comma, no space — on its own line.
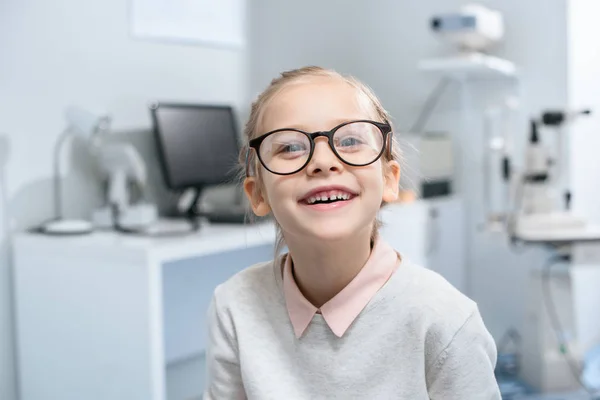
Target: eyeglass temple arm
(247,161)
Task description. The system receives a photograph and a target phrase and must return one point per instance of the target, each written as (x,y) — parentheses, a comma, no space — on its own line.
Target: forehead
(317,103)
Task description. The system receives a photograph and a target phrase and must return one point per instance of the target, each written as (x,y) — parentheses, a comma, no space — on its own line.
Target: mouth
(325,196)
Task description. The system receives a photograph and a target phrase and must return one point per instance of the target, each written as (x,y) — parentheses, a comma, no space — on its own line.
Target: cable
(556,326)
(429,106)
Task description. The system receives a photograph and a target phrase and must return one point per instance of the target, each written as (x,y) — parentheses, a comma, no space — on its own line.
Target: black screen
(198,144)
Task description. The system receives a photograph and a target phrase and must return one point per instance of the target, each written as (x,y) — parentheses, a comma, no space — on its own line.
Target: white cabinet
(429,233)
(405,226)
(446,252)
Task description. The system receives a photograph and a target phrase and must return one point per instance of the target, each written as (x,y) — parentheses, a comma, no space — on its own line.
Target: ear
(259,204)
(391,184)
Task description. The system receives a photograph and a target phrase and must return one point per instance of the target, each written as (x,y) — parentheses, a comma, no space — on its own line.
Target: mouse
(68,227)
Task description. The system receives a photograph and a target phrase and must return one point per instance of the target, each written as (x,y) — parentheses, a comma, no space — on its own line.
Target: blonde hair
(298,76)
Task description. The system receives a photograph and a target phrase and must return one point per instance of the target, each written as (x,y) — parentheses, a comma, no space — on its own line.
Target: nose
(323,160)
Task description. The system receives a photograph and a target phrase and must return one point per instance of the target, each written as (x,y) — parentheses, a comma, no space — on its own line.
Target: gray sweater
(418,338)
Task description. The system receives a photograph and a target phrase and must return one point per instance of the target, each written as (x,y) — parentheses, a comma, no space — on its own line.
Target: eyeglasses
(287,151)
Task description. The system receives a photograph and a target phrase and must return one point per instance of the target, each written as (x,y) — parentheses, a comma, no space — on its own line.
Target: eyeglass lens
(358,143)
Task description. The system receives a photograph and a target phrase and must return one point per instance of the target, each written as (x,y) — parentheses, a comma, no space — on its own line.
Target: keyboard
(227,217)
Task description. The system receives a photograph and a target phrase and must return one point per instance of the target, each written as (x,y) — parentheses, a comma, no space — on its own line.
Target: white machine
(544,198)
(536,201)
(475,28)
(124,170)
(561,309)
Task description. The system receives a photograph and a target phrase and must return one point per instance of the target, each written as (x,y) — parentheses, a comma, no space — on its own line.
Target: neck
(323,268)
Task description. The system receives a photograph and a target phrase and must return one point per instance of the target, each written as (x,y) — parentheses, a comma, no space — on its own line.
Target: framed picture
(204,22)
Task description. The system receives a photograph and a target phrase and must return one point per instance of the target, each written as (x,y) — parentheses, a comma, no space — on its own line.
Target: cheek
(372,178)
(276,188)
(280,192)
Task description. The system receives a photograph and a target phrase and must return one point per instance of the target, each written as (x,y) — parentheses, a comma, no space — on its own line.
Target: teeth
(328,196)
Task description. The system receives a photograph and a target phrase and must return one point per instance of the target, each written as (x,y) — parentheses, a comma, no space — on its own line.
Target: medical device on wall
(474,28)
(90,127)
(124,172)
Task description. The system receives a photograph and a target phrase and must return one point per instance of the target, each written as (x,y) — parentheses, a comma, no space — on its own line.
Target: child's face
(319,105)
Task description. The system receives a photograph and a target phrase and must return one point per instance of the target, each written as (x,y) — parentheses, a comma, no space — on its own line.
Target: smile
(329,197)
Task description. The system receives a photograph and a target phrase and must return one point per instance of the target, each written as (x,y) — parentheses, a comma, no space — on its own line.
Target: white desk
(114,317)
(99,316)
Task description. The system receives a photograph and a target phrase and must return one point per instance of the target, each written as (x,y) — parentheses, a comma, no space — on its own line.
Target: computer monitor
(198,147)
(198,144)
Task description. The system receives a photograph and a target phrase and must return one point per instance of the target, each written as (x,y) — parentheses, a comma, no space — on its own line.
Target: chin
(326,237)
(334,231)
(326,226)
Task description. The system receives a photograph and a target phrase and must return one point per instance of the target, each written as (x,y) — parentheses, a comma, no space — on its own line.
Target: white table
(107,316)
(113,317)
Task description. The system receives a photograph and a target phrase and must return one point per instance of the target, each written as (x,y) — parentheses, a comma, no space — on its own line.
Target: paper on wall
(216,22)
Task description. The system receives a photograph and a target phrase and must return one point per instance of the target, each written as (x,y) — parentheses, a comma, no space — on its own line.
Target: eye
(349,141)
(291,147)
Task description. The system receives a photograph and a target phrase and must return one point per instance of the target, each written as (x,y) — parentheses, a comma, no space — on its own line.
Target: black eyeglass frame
(384,128)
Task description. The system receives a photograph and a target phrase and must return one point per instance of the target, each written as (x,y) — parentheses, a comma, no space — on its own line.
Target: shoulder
(434,306)
(438,310)
(433,296)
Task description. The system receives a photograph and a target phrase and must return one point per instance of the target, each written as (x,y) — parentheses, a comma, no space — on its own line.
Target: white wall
(584,92)
(381,43)
(56,53)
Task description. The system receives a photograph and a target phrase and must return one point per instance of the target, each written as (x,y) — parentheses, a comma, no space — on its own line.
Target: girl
(342,315)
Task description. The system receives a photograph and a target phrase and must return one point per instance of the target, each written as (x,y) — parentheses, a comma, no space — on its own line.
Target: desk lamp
(86,125)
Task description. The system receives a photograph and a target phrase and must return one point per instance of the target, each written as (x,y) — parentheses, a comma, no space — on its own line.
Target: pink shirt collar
(341,310)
